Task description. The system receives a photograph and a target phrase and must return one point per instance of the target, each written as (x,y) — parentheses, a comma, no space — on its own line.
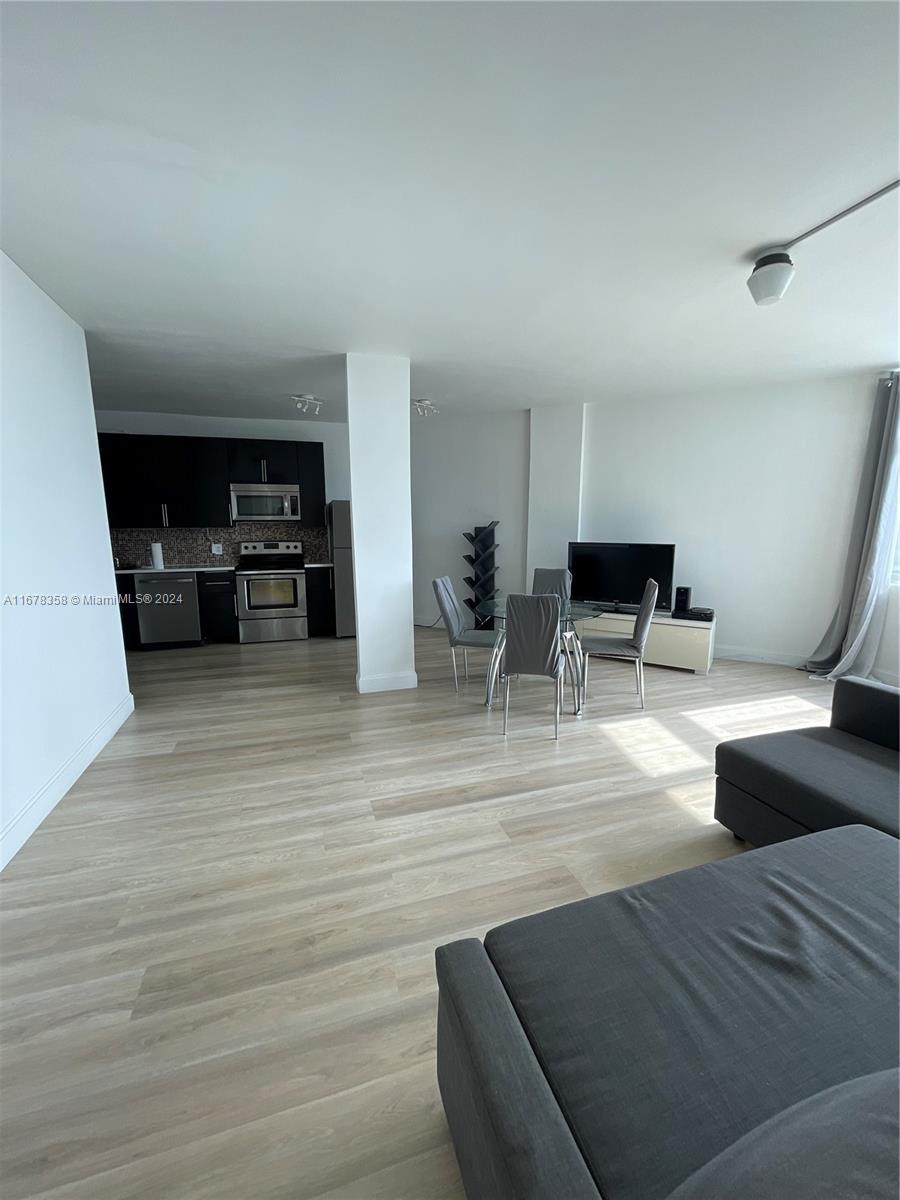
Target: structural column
(554,485)
(381,512)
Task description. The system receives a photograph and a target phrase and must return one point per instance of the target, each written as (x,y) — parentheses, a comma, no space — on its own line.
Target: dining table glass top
(570,610)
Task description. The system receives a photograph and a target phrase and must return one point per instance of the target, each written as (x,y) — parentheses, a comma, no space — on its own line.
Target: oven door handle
(277,573)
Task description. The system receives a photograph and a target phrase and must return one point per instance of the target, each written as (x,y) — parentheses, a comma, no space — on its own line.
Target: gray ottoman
(783,785)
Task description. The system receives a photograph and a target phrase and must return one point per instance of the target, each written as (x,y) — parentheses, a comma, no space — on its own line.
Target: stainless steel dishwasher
(167,607)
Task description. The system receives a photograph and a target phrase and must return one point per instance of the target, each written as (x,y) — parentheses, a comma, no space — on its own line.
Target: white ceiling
(535,202)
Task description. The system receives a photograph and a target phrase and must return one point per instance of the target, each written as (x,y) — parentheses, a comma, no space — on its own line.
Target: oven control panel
(271,547)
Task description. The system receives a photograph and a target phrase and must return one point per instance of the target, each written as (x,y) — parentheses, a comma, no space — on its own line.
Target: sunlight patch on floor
(759,716)
(652,747)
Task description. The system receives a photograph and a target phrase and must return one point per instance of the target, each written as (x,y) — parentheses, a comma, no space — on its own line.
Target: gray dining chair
(557,581)
(455,622)
(626,649)
(533,646)
(552,581)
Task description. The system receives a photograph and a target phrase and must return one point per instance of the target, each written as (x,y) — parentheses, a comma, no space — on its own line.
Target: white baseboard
(747,654)
(22,824)
(387,683)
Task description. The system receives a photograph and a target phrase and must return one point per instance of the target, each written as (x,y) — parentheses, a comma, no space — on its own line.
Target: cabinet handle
(162,515)
(235,606)
(330,580)
(264,471)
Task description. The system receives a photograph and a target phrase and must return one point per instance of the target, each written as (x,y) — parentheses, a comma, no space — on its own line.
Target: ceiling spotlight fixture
(771,276)
(774,270)
(424,408)
(308,404)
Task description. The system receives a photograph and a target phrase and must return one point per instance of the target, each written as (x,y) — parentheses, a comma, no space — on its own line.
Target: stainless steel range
(271,592)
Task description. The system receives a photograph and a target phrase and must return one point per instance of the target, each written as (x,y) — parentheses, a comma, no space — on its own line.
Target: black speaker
(682,599)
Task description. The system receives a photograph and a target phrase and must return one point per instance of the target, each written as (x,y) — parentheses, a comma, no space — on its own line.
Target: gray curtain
(850,644)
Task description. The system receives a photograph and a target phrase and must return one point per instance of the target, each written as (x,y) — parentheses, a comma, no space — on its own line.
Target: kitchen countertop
(205,567)
(162,570)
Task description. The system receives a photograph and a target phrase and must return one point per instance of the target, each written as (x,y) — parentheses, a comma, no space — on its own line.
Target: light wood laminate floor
(217,951)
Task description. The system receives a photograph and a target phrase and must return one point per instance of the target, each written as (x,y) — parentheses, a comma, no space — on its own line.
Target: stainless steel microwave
(265,502)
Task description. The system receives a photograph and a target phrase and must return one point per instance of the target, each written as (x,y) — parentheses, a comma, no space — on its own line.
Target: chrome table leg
(494,669)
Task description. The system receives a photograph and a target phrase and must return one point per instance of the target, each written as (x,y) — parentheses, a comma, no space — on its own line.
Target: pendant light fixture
(774,269)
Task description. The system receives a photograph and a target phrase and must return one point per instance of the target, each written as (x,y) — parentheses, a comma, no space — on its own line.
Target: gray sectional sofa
(783,785)
(728,1030)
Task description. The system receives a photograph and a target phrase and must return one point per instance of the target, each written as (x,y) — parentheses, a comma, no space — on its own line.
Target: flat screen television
(616,572)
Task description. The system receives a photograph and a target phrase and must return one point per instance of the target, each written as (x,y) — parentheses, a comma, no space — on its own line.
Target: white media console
(671,643)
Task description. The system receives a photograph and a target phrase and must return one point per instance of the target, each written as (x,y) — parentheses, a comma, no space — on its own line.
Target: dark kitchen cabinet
(132,498)
(218,607)
(311,473)
(194,473)
(320,601)
(183,482)
(258,461)
(151,482)
(128,612)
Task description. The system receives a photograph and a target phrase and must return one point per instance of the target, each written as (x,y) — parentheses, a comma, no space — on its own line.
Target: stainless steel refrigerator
(340,551)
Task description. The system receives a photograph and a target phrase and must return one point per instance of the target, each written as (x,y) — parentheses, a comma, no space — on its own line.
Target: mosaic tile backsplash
(190,547)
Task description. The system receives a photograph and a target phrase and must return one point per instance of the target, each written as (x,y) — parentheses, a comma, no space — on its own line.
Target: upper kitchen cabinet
(152,482)
(183,482)
(132,497)
(311,470)
(195,481)
(257,461)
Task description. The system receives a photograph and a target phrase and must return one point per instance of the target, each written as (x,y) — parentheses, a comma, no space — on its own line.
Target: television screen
(616,572)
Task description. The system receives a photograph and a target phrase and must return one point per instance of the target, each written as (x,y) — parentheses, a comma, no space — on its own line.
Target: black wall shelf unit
(481,582)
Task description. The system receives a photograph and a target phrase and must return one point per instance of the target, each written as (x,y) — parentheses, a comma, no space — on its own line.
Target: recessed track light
(425,408)
(309,404)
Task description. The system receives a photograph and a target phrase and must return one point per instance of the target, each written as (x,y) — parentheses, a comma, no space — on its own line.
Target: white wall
(378,425)
(65,688)
(467,470)
(333,436)
(757,489)
(554,485)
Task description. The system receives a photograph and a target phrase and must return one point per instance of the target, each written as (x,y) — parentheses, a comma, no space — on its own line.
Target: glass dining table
(570,612)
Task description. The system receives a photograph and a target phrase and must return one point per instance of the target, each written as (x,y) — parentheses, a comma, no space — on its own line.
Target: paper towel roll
(156,555)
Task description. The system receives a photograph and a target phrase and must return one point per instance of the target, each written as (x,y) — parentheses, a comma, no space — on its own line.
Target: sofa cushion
(840,1144)
(820,777)
(673,1017)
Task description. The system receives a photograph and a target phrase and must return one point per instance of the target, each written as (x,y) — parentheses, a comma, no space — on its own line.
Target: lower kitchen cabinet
(218,606)
(128,613)
(320,601)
